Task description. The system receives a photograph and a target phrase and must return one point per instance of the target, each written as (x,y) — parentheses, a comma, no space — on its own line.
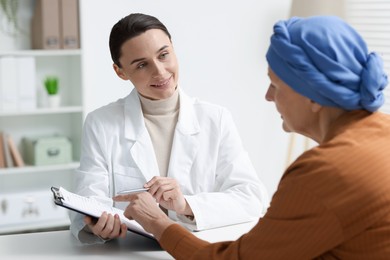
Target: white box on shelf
(35,208)
(27,93)
(47,150)
(8,84)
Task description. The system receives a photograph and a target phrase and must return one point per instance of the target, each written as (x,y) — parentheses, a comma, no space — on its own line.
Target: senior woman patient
(333,202)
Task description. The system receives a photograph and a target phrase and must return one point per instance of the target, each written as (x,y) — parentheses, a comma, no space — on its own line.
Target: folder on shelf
(45,26)
(7,153)
(2,155)
(15,154)
(93,208)
(69,24)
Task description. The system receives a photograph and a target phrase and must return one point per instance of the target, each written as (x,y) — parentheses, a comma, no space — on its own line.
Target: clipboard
(94,208)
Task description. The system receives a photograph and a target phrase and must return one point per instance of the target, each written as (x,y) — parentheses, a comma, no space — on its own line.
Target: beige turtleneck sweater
(160,120)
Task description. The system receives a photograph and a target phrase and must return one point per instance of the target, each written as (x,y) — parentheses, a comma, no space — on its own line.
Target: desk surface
(62,245)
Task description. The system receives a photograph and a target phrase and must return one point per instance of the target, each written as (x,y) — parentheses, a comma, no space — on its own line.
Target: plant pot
(54,101)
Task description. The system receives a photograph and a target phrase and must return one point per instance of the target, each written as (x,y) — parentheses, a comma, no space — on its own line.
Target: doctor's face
(150,63)
(294,108)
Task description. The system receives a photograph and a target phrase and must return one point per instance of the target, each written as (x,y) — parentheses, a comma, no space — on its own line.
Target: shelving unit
(25,191)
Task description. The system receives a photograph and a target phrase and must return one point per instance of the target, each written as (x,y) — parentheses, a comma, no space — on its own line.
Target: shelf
(32,227)
(42,53)
(34,65)
(32,169)
(44,111)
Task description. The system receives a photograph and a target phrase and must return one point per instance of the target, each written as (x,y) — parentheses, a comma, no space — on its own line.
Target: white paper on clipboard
(93,208)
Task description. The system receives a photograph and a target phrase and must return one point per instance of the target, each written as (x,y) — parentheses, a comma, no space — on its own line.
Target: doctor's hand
(144,209)
(107,226)
(168,194)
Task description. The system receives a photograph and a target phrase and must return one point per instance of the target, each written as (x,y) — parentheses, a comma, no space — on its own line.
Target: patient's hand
(143,209)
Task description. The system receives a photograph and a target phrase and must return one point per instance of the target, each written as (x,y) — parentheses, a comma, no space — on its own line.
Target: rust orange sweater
(333,202)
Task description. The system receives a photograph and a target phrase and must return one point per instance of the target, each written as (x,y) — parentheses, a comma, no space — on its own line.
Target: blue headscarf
(326,60)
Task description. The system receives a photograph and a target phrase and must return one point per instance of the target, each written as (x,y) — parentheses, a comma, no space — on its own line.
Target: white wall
(221,47)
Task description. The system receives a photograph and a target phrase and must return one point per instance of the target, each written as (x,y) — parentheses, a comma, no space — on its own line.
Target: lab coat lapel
(135,131)
(185,143)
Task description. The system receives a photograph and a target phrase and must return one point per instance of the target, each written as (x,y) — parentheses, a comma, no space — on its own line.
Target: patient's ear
(120,72)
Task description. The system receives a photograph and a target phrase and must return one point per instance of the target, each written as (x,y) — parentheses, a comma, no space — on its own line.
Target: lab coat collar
(135,131)
(186,142)
(187,122)
(134,119)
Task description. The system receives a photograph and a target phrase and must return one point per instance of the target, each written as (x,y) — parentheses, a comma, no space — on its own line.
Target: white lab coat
(207,159)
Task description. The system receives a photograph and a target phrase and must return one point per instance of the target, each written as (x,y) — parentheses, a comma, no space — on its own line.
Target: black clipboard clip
(57,195)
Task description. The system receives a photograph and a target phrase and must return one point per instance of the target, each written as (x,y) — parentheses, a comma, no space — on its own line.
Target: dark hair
(129,27)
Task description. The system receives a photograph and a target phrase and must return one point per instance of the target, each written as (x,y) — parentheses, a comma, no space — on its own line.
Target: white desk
(58,245)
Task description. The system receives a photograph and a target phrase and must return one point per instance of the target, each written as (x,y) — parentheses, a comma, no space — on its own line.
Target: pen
(123,192)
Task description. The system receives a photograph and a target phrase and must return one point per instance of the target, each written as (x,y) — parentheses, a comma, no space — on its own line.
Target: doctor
(187,152)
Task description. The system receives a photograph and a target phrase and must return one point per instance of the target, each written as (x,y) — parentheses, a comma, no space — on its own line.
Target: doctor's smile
(162,84)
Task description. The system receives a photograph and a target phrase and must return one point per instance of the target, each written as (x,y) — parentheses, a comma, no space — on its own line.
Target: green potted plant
(52,87)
